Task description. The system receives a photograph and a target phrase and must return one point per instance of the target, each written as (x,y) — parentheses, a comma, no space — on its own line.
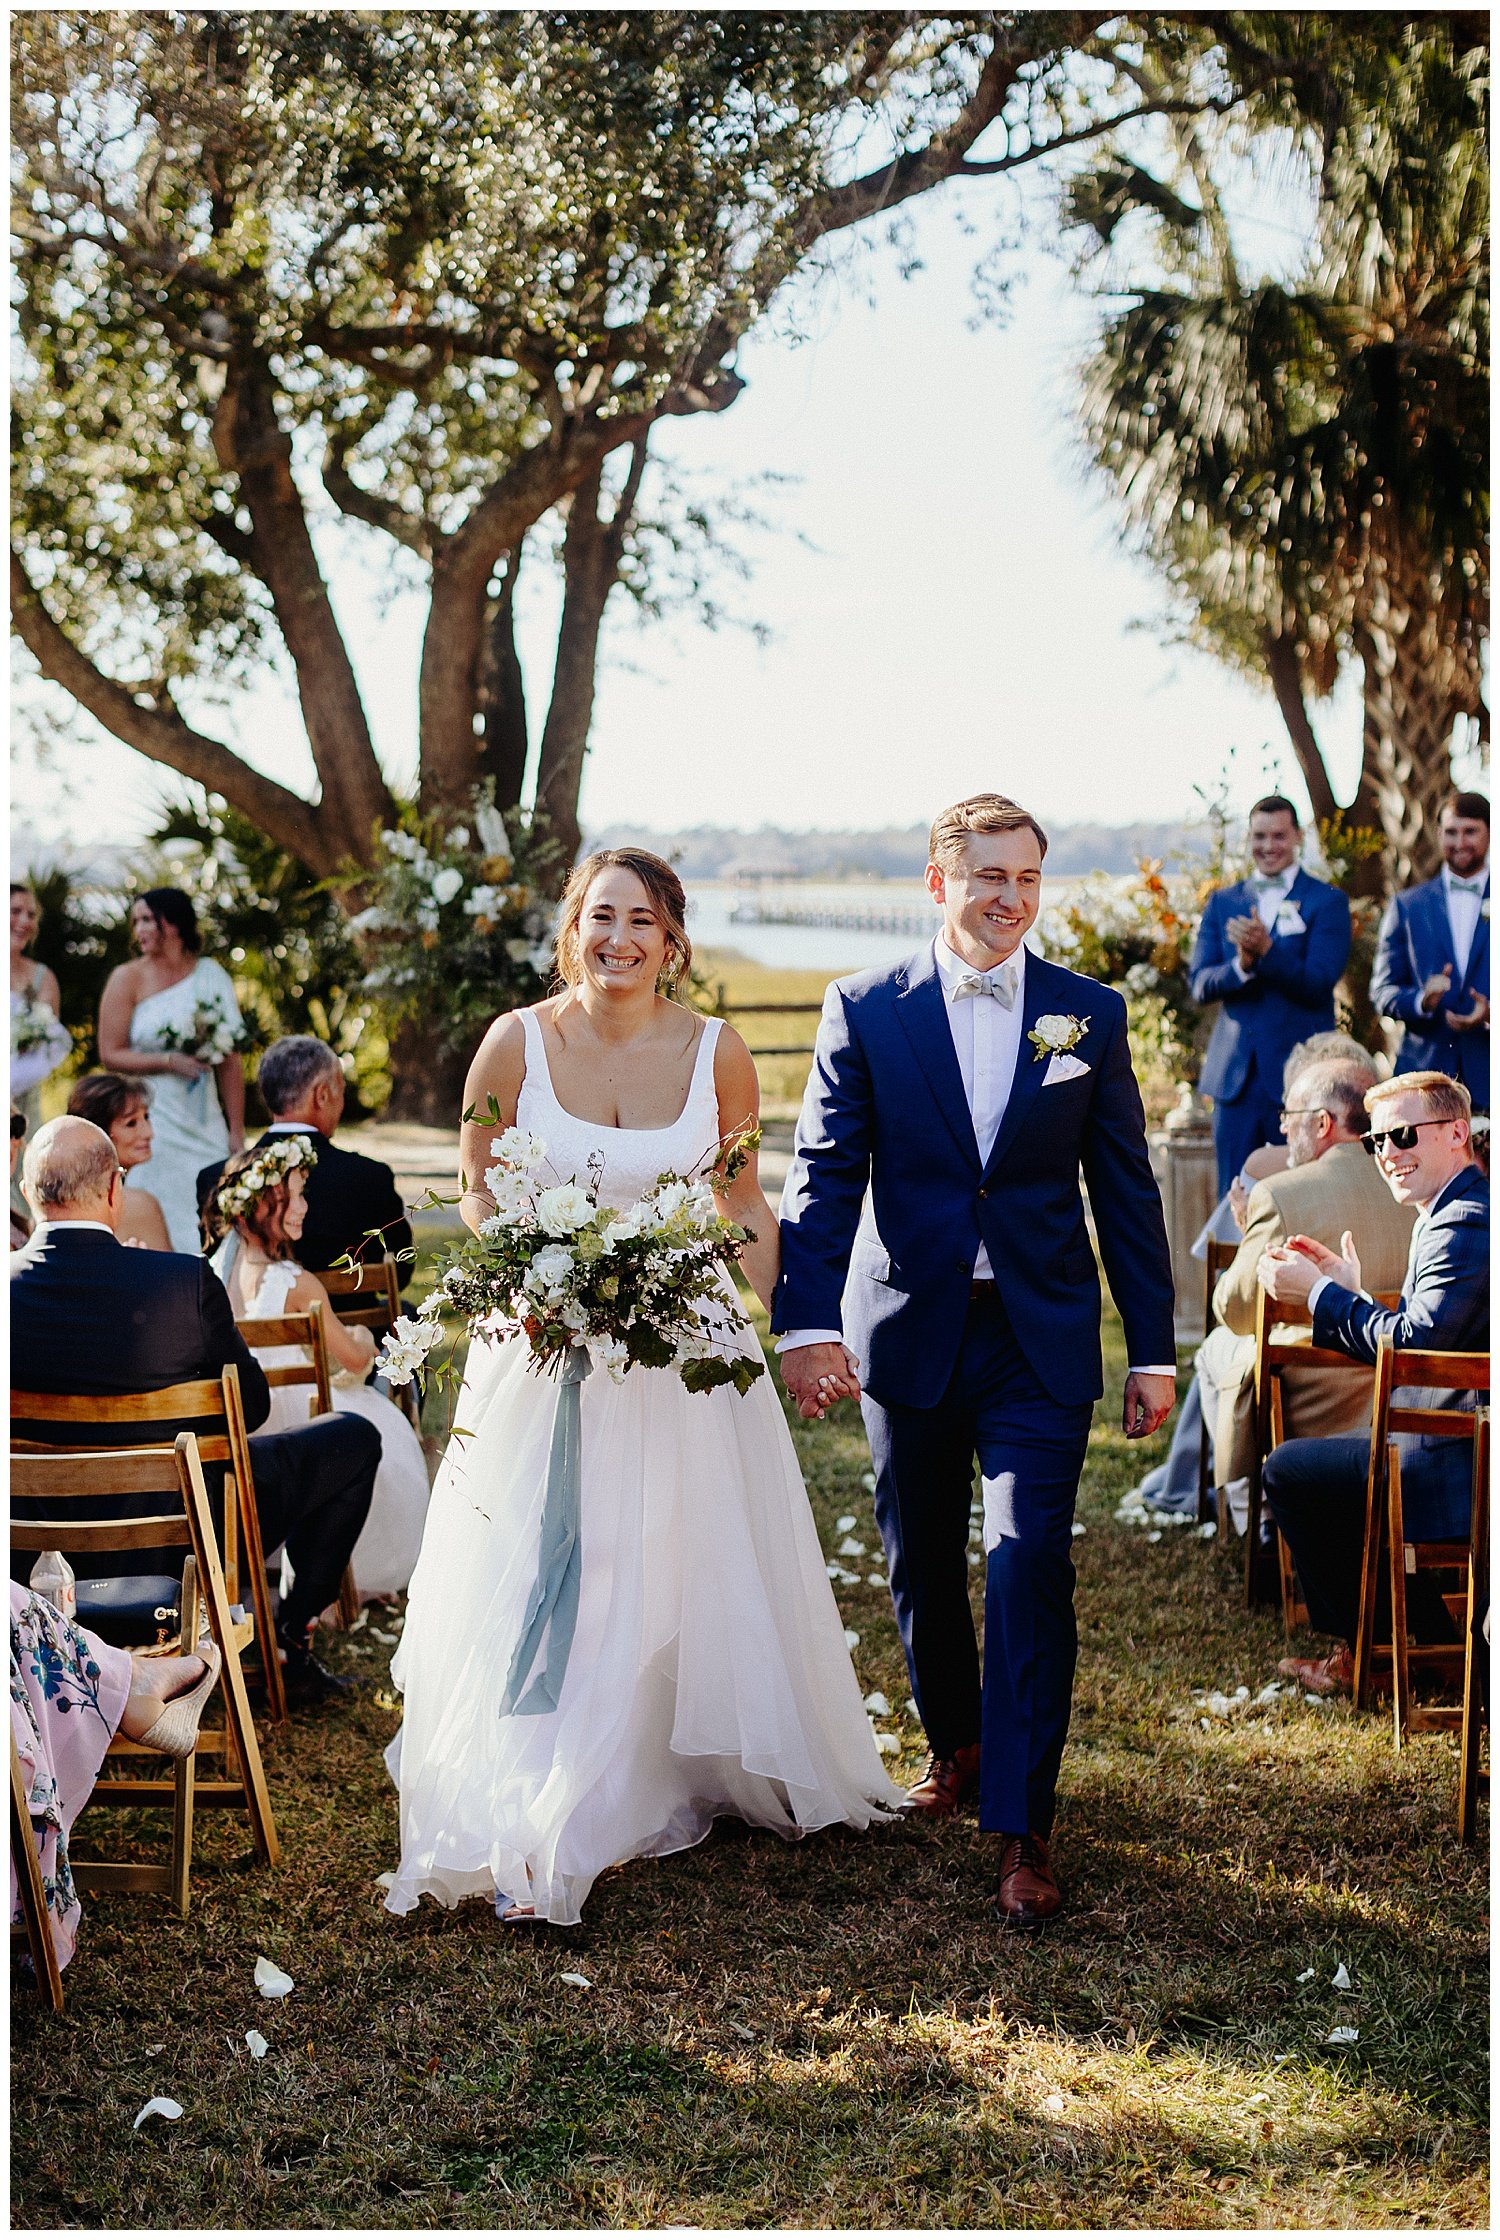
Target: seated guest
(302,1087)
(257,1210)
(70,1695)
(1432,962)
(123,1110)
(1328,1188)
(20,1224)
(89,1317)
(1419,1134)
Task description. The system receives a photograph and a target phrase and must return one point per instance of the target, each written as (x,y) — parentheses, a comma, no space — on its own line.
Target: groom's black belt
(983,1287)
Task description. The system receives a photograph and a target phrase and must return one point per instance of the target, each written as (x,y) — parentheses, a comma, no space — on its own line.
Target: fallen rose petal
(845,1524)
(362,1620)
(1270,1693)
(850,1547)
(151,2050)
(386,1880)
(270,1981)
(851,1638)
(877,1703)
(1343,2034)
(868,1481)
(1341,1980)
(580,1983)
(1209,1531)
(390,1639)
(911,1705)
(257,2044)
(171,2109)
(1054,2104)
(887,1745)
(1079,1530)
(1307,1975)
(877,1579)
(1153,1537)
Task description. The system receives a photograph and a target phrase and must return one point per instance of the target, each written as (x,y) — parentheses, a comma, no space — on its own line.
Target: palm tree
(1306,461)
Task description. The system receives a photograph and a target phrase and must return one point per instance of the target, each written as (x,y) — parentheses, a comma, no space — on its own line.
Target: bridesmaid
(154,1011)
(123,1110)
(34,990)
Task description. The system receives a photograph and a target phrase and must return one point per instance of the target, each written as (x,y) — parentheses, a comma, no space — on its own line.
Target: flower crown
(285,1156)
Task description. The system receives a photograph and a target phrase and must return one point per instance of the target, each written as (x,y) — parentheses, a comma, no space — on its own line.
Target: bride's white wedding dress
(708,1672)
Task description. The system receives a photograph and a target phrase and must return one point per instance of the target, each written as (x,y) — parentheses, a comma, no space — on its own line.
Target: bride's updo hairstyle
(667,898)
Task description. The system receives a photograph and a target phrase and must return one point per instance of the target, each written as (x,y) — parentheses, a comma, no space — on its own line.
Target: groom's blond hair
(982,812)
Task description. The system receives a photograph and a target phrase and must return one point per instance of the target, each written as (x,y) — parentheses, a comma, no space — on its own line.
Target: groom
(934,1244)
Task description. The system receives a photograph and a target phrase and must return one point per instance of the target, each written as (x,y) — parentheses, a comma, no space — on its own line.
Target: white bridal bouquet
(32,1027)
(210,1037)
(635,1288)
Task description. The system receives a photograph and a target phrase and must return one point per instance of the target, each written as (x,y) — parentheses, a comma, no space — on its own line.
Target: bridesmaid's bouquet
(635,1288)
(32,1027)
(211,1035)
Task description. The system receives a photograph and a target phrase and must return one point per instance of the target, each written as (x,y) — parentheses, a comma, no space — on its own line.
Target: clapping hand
(1464,1022)
(1288,1272)
(1434,988)
(1251,938)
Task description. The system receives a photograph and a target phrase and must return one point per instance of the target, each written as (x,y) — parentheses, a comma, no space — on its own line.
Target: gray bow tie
(1001,984)
(1271,886)
(1466,886)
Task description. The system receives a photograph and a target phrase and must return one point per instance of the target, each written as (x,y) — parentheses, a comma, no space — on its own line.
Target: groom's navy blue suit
(951,1368)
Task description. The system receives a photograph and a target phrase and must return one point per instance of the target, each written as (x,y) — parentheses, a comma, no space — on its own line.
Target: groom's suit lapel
(922,1008)
(1031,1069)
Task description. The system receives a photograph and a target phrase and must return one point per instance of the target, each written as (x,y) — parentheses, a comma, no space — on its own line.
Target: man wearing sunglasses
(1432,965)
(1315,1488)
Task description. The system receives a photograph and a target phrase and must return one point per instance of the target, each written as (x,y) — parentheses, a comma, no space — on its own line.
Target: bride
(708,1671)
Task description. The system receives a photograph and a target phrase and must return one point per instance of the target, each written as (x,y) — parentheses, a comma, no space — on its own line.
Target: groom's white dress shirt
(987,1043)
(1464,906)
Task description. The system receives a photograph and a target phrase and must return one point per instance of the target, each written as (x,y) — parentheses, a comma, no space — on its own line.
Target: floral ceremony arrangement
(634,1288)
(457,925)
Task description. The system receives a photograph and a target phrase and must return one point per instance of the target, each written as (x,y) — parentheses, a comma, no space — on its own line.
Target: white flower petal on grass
(911,1705)
(259,2047)
(1307,1975)
(579,1983)
(362,1620)
(1271,1692)
(877,1579)
(1153,1537)
(390,1639)
(386,1881)
(851,1638)
(1054,2104)
(868,1481)
(270,1981)
(845,1524)
(973,1561)
(849,1547)
(877,1703)
(152,2051)
(887,1745)
(1341,1978)
(1209,1531)
(171,2109)
(1342,2034)
(1079,1530)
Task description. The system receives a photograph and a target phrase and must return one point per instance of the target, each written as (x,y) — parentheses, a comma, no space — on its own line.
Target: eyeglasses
(1399,1139)
(1300,1111)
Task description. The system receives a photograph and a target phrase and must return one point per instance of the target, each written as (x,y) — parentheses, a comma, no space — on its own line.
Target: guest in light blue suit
(1432,967)
(1269,951)
(935,1252)
(1315,1488)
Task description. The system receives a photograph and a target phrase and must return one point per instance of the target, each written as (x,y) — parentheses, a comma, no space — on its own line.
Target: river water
(815,948)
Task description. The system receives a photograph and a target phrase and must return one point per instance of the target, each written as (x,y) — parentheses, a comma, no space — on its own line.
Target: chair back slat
(200,1396)
(101,1535)
(305,1331)
(1453,1372)
(62,1473)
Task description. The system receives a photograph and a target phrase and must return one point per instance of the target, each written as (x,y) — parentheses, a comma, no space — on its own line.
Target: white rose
(612,1355)
(514,1202)
(518,1147)
(623,1227)
(550,1272)
(484,902)
(669,1199)
(427,918)
(563,1209)
(461,837)
(1055,1031)
(446,884)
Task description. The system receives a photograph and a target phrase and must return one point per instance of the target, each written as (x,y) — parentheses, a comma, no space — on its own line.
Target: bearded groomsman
(1432,967)
(1269,951)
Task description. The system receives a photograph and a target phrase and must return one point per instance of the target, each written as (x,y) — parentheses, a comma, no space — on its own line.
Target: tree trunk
(1416,685)
(427,1077)
(592,550)
(502,697)
(252,444)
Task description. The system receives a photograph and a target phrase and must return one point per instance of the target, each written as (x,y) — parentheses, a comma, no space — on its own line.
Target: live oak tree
(1307,460)
(441,274)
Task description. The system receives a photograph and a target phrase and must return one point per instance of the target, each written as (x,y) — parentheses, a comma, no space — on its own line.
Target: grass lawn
(834,2033)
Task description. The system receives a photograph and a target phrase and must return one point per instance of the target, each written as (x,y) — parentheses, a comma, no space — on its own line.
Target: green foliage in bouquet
(456,924)
(1137,936)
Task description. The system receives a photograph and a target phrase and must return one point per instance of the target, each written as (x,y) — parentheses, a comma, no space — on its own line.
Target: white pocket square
(1289,919)
(1064,1067)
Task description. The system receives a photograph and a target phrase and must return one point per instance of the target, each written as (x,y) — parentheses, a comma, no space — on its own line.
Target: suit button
(982,1191)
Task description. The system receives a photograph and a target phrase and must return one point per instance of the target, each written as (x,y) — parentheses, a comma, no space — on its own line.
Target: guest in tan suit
(1329,1185)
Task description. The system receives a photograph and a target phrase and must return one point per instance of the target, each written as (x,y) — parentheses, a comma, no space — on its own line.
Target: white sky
(961,617)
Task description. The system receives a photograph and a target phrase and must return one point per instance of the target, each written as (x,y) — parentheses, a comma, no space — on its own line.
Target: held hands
(1288,1272)
(818,1376)
(1148,1403)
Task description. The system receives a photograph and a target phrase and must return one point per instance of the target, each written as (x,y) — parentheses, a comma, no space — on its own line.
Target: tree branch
(1036,149)
(409,529)
(163,735)
(1284,668)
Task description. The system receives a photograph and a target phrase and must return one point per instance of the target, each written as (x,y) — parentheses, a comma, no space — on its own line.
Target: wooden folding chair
(263,1333)
(1217,1259)
(1397,1371)
(213,1409)
(370,1297)
(183,1521)
(36,1921)
(1475,1602)
(1273,1358)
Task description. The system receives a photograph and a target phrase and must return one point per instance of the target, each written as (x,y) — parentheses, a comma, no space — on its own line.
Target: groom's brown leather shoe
(1028,1894)
(947,1784)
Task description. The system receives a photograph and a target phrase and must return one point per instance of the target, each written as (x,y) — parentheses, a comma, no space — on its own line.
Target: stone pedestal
(1182,1158)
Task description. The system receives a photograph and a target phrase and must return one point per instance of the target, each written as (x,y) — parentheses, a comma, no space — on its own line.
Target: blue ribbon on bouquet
(552,1608)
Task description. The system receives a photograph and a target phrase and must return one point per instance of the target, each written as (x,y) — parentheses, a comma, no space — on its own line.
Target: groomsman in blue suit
(935,1253)
(1432,967)
(1270,950)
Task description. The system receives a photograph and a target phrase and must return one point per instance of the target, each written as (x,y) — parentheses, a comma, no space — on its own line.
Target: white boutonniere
(1484,907)
(1055,1032)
